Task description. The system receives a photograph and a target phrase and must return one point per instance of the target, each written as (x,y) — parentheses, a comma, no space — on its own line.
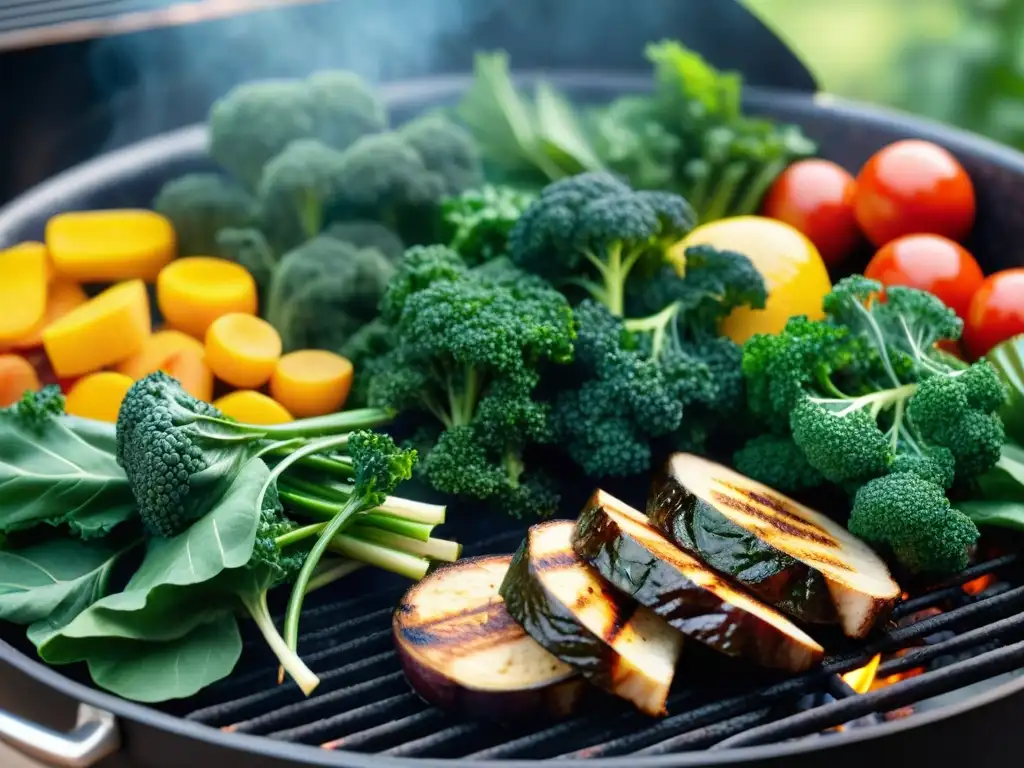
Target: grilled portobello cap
(788,555)
(626,550)
(565,605)
(462,651)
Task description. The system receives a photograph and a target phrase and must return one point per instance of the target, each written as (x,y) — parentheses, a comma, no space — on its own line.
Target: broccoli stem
(325,511)
(431,548)
(328,573)
(657,325)
(401,563)
(326,426)
(614,271)
(336,467)
(876,401)
(256,605)
(406,528)
(725,192)
(317,498)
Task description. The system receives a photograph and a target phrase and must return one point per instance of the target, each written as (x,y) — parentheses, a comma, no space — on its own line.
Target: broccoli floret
(938,466)
(295,190)
(467,351)
(477,223)
(35,409)
(181,454)
(446,149)
(344,108)
(592,230)
(365,349)
(776,461)
(369,234)
(250,249)
(382,178)
(255,121)
(912,518)
(198,206)
(324,291)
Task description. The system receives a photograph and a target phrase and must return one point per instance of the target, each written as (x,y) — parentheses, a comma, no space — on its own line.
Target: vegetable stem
(303,675)
(417,531)
(400,563)
(431,548)
(332,424)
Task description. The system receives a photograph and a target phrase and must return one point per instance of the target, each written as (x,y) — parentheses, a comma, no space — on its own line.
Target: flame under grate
(948,638)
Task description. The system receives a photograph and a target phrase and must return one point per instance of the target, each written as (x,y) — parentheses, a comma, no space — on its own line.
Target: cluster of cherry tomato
(915,203)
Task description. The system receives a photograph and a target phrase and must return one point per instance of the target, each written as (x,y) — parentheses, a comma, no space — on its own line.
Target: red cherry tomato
(997,311)
(932,263)
(910,187)
(816,197)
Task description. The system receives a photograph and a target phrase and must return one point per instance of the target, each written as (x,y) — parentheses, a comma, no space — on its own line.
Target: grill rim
(189,142)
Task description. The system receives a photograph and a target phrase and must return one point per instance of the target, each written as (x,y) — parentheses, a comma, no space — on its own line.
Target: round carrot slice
(193,292)
(17,376)
(252,407)
(311,382)
(98,396)
(157,351)
(242,350)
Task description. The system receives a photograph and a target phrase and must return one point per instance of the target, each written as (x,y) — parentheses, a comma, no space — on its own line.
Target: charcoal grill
(964,646)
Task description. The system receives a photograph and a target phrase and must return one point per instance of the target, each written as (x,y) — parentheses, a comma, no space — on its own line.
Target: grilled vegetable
(621,544)
(567,607)
(461,650)
(790,556)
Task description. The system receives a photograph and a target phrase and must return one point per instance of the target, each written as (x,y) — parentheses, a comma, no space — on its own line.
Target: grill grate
(949,637)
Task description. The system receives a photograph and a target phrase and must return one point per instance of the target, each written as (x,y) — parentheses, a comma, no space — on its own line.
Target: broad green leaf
(994,513)
(62,473)
(173,589)
(1006,479)
(1008,360)
(53,581)
(561,134)
(151,672)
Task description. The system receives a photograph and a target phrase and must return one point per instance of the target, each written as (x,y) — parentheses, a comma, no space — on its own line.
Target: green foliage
(198,206)
(56,470)
(776,461)
(369,234)
(248,248)
(446,149)
(477,222)
(324,291)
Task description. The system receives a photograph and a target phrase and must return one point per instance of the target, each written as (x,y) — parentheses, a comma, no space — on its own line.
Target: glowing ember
(861,679)
(979,585)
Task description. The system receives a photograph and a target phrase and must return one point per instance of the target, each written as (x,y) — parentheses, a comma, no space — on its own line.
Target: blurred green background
(958,61)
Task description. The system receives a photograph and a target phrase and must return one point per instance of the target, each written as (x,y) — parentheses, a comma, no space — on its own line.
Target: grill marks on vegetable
(771,510)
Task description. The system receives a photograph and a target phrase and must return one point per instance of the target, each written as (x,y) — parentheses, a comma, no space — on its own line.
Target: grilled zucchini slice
(462,651)
(567,607)
(788,555)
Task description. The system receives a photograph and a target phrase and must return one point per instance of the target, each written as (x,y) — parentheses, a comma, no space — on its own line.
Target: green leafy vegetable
(478,221)
(1008,360)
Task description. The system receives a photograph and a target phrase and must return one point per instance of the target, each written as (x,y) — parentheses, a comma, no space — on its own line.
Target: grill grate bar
(315,637)
(952,587)
(354,720)
(313,708)
(897,695)
(708,735)
(249,706)
(378,737)
(429,744)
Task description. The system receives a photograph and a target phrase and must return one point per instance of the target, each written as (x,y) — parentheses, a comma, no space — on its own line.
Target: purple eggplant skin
(781,581)
(702,612)
(553,626)
(442,634)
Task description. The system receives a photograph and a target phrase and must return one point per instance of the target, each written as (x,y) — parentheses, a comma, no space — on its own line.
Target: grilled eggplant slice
(567,607)
(788,555)
(463,652)
(626,550)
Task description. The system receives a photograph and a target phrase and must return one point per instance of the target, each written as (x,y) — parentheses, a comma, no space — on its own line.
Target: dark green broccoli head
(446,149)
(171,448)
(367,349)
(420,267)
(35,409)
(324,291)
(477,223)
(369,234)
(937,467)
(778,462)
(912,518)
(382,178)
(250,249)
(255,121)
(845,446)
(380,466)
(344,107)
(198,206)
(266,554)
(295,190)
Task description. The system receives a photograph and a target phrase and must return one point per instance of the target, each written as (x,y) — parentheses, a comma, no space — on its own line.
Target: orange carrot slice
(194,291)
(158,349)
(242,350)
(189,367)
(311,382)
(17,376)
(252,407)
(23,279)
(104,246)
(98,396)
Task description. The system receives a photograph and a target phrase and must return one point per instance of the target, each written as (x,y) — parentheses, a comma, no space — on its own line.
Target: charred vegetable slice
(567,607)
(790,556)
(622,545)
(463,652)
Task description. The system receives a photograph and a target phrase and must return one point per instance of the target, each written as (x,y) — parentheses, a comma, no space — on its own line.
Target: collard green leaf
(1005,481)
(152,672)
(62,471)
(54,581)
(172,592)
(1008,360)
(994,513)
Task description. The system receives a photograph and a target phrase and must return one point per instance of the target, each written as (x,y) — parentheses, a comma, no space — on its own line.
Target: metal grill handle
(95,737)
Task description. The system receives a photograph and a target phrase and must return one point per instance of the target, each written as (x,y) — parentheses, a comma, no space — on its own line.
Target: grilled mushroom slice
(788,555)
(567,607)
(463,652)
(624,548)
